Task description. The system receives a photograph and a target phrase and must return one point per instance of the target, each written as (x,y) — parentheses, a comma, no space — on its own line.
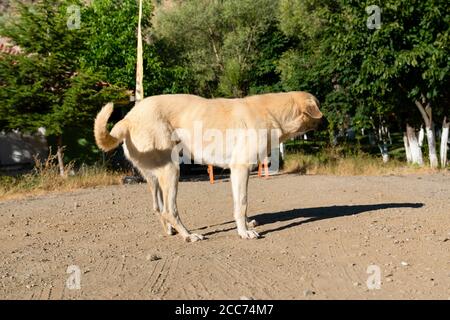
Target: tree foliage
(112,47)
(218,41)
(363,76)
(46,86)
(366,72)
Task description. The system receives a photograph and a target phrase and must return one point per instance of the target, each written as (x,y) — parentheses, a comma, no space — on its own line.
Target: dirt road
(320,236)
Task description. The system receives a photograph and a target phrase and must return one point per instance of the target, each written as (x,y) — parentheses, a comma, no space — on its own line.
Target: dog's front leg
(239,185)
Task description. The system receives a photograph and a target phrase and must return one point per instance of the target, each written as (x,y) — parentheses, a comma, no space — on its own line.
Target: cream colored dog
(151,133)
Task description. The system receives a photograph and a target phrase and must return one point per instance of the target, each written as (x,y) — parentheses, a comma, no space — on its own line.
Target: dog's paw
(249,234)
(252,223)
(193,237)
(170,230)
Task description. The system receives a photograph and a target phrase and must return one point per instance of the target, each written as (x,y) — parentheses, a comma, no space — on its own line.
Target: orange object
(266,169)
(211,174)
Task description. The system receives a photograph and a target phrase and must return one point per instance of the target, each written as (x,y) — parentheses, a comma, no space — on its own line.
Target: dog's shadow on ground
(313,214)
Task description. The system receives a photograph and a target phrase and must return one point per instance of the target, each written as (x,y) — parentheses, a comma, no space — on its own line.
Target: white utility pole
(140,60)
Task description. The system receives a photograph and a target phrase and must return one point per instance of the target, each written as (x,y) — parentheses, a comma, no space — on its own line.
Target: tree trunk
(60,156)
(139,63)
(282,150)
(427,116)
(407,148)
(421,136)
(444,142)
(416,152)
(434,163)
(371,136)
(384,152)
(383,138)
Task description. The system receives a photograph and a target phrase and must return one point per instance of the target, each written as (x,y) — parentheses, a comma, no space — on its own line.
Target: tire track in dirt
(170,276)
(252,279)
(160,276)
(149,278)
(347,271)
(347,275)
(49,292)
(292,258)
(168,269)
(201,290)
(249,279)
(35,281)
(58,290)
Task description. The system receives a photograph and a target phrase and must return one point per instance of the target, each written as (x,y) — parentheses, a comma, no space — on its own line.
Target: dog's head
(309,106)
(302,114)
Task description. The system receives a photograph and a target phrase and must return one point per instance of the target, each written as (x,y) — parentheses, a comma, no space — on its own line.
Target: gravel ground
(324,237)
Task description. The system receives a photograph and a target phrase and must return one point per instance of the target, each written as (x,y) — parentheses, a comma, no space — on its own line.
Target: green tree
(46,86)
(218,41)
(367,71)
(112,47)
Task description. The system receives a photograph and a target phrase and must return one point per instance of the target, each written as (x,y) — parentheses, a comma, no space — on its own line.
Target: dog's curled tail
(104,139)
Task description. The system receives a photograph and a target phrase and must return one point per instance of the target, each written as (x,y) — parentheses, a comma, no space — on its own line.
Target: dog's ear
(311,107)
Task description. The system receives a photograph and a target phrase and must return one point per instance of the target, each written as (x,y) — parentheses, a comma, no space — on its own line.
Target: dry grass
(354,165)
(46,178)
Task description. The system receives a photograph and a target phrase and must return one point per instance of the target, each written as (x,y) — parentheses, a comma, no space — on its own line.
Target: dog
(156,126)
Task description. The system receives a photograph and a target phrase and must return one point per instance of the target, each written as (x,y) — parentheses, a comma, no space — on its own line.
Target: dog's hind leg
(158,204)
(168,180)
(156,193)
(239,185)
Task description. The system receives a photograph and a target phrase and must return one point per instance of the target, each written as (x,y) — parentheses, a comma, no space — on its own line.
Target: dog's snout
(322,123)
(318,121)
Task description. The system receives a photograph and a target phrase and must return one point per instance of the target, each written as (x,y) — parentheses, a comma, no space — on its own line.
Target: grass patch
(45,178)
(333,162)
